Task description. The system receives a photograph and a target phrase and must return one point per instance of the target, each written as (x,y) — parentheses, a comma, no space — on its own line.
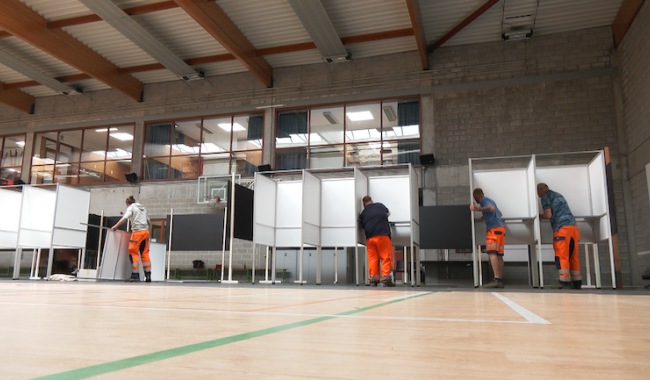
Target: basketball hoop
(213,200)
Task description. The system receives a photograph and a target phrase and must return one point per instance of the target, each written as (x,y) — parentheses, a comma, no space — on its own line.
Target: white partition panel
(37,217)
(360,191)
(508,188)
(393,192)
(415,206)
(338,212)
(597,185)
(264,210)
(532,190)
(603,230)
(288,218)
(72,207)
(311,209)
(10,201)
(115,263)
(570,181)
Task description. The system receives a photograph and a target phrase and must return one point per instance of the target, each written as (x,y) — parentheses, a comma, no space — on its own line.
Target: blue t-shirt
(492,218)
(561,213)
(374,219)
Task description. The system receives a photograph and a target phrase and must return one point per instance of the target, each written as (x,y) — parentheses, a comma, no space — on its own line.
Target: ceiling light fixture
(517,34)
(122,136)
(360,116)
(105,129)
(235,127)
(390,114)
(20,143)
(328,115)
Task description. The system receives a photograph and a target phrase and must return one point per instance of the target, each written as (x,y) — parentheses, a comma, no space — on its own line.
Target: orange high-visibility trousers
(137,237)
(565,245)
(379,247)
(495,240)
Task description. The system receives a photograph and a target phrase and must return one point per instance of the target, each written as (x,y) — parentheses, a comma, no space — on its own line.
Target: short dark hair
(367,199)
(478,190)
(130,200)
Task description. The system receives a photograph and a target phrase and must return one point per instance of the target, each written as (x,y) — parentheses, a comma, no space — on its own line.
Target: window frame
(3,139)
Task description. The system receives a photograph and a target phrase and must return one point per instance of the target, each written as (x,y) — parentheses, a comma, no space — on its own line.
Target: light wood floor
(184,331)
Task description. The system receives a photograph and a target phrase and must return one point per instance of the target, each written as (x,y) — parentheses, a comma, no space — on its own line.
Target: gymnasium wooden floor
(54,330)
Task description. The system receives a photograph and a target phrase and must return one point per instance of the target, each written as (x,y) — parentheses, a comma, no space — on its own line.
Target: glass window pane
(94,145)
(91,172)
(115,170)
(326,126)
(12,153)
(363,154)
(401,120)
(246,162)
(187,137)
(66,174)
(42,174)
(216,135)
(363,122)
(8,175)
(402,152)
(69,146)
(120,143)
(157,139)
(289,159)
(185,167)
(326,157)
(291,129)
(214,164)
(248,132)
(155,168)
(44,149)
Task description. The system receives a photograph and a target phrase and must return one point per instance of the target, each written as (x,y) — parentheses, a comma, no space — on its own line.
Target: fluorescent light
(122,136)
(20,143)
(330,117)
(361,134)
(235,127)
(283,140)
(270,106)
(105,130)
(360,116)
(11,169)
(390,114)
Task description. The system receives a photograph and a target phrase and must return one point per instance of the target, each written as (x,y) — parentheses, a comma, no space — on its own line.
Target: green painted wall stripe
(100,369)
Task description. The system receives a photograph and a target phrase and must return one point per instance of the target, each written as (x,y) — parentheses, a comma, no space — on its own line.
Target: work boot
(496,283)
(387,283)
(147,275)
(577,284)
(373,282)
(135,277)
(562,285)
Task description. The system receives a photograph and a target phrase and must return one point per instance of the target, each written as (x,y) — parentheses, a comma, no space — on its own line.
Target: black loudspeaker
(131,177)
(264,168)
(427,159)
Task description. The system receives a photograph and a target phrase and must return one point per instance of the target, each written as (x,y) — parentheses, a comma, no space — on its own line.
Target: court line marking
(529,315)
(397,298)
(118,365)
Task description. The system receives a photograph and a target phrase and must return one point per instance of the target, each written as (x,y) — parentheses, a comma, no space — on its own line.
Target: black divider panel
(197,232)
(243,212)
(445,227)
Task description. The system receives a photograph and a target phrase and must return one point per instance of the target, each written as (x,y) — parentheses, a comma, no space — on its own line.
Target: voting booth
(45,217)
(320,209)
(115,262)
(512,183)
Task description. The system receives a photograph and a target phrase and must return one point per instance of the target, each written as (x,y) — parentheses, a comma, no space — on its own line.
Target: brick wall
(634,54)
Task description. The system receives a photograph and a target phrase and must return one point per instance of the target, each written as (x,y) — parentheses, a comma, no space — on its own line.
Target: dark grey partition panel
(445,227)
(196,232)
(243,212)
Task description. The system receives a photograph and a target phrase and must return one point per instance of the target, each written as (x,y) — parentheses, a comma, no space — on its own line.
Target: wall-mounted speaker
(131,177)
(264,168)
(427,159)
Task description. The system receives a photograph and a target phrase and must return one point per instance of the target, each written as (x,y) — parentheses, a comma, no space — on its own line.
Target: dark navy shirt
(561,215)
(374,219)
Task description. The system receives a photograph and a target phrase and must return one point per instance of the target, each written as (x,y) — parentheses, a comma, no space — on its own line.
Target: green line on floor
(100,369)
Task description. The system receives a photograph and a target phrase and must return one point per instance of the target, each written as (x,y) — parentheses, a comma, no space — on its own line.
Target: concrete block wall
(635,81)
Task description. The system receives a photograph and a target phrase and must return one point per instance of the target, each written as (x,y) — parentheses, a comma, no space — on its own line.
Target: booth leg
(255,247)
(17,255)
(597,266)
(336,266)
(273,265)
(301,260)
(417,266)
(540,262)
(31,271)
(318,265)
(406,260)
(38,262)
(356,262)
(587,266)
(533,272)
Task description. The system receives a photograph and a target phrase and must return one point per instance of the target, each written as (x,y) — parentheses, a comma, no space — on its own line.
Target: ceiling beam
(21,21)
(418,29)
(463,24)
(316,21)
(624,18)
(17,99)
(215,21)
(229,57)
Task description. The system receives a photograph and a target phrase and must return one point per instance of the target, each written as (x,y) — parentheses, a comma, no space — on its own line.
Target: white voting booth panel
(116,264)
(394,193)
(288,217)
(10,202)
(264,211)
(37,217)
(338,212)
(311,209)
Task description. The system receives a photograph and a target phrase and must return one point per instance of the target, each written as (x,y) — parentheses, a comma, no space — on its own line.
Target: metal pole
(273,266)
(169,251)
(31,271)
(17,255)
(223,247)
(480,266)
(540,261)
(232,227)
(255,248)
(78,260)
(587,263)
(318,265)
(356,262)
(405,259)
(301,263)
(597,266)
(38,262)
(336,265)
(412,263)
(612,261)
(99,244)
(266,272)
